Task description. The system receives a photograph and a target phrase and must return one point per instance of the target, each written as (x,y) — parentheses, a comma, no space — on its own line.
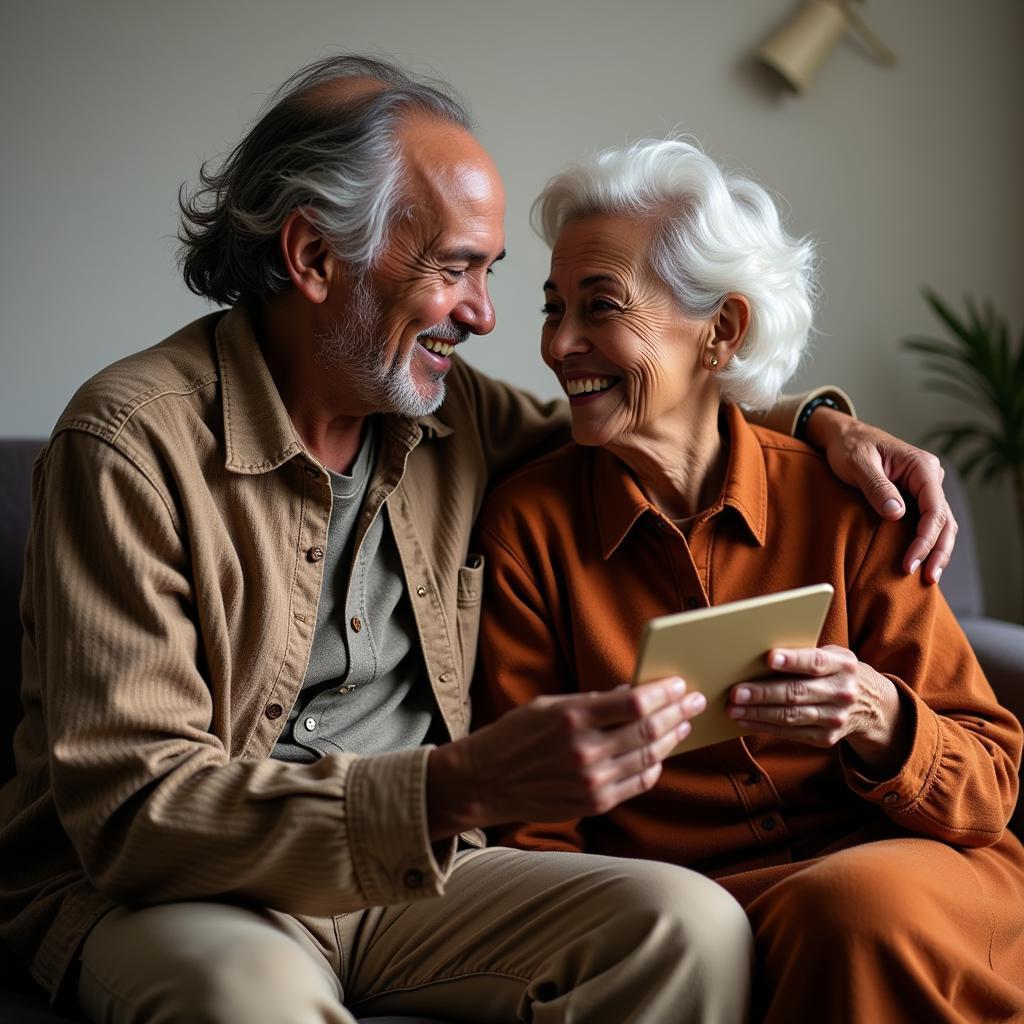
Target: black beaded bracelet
(808,411)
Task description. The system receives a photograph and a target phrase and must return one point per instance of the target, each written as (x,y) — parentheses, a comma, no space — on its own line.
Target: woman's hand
(876,462)
(827,696)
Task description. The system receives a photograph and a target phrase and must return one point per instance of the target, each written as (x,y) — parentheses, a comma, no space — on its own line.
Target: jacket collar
(258,432)
(620,502)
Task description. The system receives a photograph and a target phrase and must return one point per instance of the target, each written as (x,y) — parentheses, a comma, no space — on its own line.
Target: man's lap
(497,938)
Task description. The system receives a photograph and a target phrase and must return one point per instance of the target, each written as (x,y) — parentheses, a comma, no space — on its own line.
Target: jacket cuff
(386,807)
(902,792)
(785,414)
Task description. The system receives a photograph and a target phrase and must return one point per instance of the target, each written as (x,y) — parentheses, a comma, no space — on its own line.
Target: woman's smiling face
(613,334)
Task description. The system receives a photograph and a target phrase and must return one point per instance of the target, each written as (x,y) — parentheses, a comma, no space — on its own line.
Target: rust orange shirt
(578,559)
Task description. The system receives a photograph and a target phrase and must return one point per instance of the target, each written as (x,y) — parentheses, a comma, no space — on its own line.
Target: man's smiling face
(428,291)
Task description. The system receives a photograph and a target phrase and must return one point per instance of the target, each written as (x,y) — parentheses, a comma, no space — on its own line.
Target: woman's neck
(680,462)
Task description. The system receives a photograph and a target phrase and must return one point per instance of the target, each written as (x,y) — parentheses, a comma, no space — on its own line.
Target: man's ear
(731,324)
(308,259)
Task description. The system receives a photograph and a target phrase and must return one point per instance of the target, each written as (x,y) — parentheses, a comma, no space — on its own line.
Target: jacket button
(314,554)
(357,624)
(413,878)
(273,711)
(891,798)
(421,591)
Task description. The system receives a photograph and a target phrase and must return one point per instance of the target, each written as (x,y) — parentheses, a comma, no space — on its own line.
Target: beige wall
(904,176)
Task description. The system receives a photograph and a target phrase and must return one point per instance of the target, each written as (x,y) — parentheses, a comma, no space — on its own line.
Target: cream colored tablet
(715,648)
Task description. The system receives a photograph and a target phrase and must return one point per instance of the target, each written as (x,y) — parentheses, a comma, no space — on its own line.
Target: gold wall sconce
(798,49)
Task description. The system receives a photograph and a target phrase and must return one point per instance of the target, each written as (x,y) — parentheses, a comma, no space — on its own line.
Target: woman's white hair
(717,233)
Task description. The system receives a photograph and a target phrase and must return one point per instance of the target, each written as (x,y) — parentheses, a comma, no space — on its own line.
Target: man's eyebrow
(471,256)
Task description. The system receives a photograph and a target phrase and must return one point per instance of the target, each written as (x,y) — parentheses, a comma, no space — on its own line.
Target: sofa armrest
(999,647)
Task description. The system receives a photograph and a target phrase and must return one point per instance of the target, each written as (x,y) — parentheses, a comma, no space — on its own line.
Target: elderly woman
(861,824)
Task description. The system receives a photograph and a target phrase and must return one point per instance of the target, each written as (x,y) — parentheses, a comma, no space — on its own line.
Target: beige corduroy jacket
(172,578)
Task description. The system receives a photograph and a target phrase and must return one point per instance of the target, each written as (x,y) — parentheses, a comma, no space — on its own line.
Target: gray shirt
(365,690)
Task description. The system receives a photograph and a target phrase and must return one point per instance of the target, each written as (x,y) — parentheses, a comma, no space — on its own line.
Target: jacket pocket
(471,585)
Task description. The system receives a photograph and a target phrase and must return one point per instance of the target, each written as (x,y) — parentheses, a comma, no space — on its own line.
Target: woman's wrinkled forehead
(601,246)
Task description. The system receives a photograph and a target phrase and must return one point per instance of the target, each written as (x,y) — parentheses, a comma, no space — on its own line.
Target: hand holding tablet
(715,648)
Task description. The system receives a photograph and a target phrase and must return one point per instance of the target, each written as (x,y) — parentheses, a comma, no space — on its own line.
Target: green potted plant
(979,364)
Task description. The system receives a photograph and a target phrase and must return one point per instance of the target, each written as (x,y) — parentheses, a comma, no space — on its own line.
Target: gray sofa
(999,646)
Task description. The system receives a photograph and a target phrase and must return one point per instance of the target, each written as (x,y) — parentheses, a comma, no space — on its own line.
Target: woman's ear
(730,324)
(308,259)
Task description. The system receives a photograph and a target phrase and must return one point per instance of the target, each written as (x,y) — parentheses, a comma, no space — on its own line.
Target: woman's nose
(568,339)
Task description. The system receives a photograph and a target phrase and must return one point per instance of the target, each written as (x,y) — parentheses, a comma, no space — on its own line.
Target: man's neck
(330,432)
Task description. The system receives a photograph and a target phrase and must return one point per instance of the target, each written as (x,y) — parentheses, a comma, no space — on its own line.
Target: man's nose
(476,312)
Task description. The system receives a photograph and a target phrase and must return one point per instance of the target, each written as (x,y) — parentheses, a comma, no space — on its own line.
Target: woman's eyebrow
(550,286)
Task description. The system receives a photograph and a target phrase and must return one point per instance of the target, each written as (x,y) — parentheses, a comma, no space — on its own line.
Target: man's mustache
(446,330)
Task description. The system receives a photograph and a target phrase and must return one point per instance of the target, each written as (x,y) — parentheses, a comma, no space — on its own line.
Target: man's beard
(358,346)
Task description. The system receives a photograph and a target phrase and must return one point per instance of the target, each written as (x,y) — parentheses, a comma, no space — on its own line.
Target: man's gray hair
(716,233)
(337,160)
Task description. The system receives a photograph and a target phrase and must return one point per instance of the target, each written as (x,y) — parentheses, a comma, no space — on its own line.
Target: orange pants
(898,930)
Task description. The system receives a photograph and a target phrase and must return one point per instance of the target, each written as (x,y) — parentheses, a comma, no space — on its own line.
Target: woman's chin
(590,435)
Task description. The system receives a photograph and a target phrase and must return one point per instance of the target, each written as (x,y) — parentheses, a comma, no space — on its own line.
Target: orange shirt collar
(620,502)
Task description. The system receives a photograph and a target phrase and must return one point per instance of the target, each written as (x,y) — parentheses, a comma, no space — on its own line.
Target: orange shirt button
(753,778)
(768,824)
(891,798)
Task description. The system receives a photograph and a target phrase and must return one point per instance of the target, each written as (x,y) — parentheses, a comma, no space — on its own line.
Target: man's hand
(878,463)
(559,757)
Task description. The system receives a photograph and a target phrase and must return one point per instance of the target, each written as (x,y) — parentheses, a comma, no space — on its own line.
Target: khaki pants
(542,937)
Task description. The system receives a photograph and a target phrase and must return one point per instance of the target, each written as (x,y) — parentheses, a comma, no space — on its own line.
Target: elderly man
(245,790)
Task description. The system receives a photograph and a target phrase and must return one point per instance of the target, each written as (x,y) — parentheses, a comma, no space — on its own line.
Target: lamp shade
(798,48)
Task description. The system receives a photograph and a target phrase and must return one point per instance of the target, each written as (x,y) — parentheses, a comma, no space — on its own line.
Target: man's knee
(695,908)
(688,916)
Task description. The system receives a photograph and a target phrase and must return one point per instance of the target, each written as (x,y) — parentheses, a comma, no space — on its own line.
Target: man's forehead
(448,161)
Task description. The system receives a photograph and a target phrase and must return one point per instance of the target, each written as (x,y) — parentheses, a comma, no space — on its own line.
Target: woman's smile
(585,388)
